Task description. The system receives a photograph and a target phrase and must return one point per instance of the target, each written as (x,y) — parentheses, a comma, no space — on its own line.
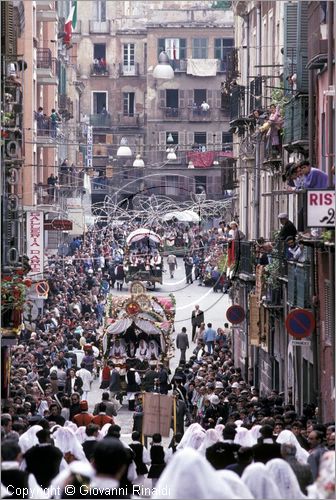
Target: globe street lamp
(124,150)
(163,70)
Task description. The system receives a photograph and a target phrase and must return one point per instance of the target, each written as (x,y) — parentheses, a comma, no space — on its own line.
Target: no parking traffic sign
(300,323)
(235,314)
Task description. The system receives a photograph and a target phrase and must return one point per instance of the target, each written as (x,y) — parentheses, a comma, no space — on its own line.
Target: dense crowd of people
(229,441)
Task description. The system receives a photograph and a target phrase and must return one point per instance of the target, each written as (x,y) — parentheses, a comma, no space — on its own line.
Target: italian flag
(71,22)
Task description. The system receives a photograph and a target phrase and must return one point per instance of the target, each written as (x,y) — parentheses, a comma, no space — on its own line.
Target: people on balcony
(263,251)
(272,128)
(52,182)
(313,178)
(54,120)
(205,108)
(235,233)
(294,249)
(39,117)
(287,227)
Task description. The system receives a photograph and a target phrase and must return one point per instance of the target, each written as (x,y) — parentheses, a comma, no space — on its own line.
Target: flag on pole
(71,22)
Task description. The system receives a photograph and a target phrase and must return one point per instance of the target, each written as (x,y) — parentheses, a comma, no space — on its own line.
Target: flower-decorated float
(138,329)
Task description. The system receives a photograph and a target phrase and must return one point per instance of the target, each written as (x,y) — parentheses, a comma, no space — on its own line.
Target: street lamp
(170,138)
(171,154)
(190,164)
(138,162)
(163,70)
(124,150)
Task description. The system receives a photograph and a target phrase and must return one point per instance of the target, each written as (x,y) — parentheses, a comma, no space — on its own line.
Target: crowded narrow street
(168,249)
(214,306)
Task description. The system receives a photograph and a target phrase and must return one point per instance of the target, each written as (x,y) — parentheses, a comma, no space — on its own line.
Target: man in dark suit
(267,448)
(223,454)
(197,317)
(90,442)
(182,343)
(44,459)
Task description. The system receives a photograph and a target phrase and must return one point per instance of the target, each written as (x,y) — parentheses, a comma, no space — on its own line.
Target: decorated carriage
(143,257)
(138,330)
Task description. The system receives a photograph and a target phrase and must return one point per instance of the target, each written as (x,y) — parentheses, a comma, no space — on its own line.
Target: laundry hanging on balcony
(205,159)
(202,67)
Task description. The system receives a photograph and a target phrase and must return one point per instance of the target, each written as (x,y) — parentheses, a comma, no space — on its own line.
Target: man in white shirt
(86,376)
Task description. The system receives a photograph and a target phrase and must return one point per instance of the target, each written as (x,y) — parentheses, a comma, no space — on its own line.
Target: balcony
(179,65)
(129,70)
(128,121)
(101,120)
(46,11)
(299,285)
(237,103)
(99,70)
(47,196)
(65,106)
(172,113)
(197,114)
(245,257)
(45,67)
(317,37)
(296,121)
(100,27)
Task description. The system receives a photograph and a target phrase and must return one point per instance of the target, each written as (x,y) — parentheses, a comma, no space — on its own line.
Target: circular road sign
(300,323)
(235,314)
(42,288)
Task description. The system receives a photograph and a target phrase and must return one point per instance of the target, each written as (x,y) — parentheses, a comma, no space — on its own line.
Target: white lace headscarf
(286,480)
(259,481)
(255,433)
(189,475)
(243,437)
(238,487)
(185,441)
(28,439)
(287,437)
(67,442)
(211,437)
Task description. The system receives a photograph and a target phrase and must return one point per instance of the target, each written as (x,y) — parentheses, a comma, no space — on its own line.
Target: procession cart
(143,257)
(137,331)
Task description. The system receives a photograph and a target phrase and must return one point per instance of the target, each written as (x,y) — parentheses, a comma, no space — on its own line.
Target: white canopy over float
(140,234)
(182,216)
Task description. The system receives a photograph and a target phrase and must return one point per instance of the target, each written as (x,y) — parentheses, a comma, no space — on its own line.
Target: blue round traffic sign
(235,314)
(300,323)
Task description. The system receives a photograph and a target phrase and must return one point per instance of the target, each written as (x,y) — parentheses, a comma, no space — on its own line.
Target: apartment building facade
(296,38)
(122,99)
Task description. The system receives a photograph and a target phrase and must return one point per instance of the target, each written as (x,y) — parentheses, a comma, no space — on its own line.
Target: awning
(183,216)
(140,234)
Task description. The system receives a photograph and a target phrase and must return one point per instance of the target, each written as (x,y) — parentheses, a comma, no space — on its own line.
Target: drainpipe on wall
(331,159)
(311,114)
(257,153)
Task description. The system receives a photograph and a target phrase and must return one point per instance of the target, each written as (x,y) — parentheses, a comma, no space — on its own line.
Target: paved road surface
(214,306)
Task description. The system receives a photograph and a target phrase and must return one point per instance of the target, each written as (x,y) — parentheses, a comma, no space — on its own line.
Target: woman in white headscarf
(287,437)
(219,429)
(80,434)
(243,437)
(153,349)
(260,482)
(238,487)
(286,480)
(189,475)
(211,437)
(255,434)
(66,440)
(104,429)
(28,439)
(57,485)
(192,429)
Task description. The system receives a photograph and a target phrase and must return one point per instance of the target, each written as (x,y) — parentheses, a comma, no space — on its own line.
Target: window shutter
(161,45)
(302,47)
(217,51)
(162,99)
(218,99)
(190,98)
(209,98)
(183,48)
(290,24)
(162,139)
(190,139)
(210,139)
(181,99)
(182,139)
